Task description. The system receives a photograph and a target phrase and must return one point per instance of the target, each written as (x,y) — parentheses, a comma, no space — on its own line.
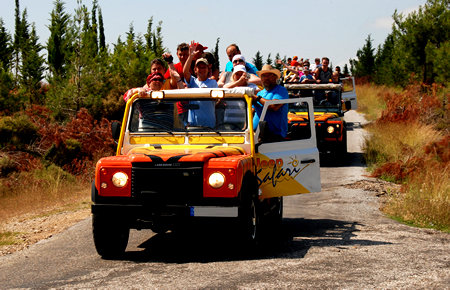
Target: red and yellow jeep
(172,166)
(330,101)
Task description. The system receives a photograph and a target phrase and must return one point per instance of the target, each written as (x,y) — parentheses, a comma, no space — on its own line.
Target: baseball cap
(204,60)
(238,56)
(154,77)
(199,46)
(238,68)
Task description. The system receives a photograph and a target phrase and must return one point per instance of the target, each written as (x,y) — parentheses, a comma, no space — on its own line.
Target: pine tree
(365,64)
(216,52)
(278,66)
(6,49)
(58,44)
(269,60)
(149,35)
(94,27)
(32,68)
(7,101)
(383,63)
(101,31)
(158,48)
(346,72)
(17,41)
(420,37)
(258,60)
(130,36)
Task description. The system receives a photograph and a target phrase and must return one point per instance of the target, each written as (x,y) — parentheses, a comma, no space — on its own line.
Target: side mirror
(348,105)
(115,130)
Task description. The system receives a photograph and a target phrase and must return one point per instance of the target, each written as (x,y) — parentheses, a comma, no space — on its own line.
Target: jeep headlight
(119,179)
(330,129)
(216,180)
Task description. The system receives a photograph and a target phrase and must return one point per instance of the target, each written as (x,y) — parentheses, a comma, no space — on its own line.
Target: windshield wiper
(202,128)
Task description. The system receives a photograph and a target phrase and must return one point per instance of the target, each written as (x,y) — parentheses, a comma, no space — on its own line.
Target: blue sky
(309,29)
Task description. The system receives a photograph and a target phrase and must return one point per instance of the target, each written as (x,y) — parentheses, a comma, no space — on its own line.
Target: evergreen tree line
(417,49)
(80,71)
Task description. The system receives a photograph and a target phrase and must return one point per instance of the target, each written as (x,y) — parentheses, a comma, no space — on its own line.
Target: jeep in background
(330,101)
(168,172)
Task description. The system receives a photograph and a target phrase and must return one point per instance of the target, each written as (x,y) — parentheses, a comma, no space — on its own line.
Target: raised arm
(175,78)
(289,68)
(193,52)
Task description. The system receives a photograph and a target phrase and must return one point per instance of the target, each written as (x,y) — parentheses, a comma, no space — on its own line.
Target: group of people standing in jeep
(198,69)
(301,71)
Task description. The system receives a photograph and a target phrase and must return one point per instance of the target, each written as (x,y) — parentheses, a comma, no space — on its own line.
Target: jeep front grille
(167,183)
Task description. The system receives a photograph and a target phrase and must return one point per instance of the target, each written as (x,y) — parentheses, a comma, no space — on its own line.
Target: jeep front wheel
(250,220)
(110,236)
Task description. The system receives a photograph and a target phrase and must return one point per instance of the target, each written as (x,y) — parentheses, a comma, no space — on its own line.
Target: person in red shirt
(182,54)
(156,81)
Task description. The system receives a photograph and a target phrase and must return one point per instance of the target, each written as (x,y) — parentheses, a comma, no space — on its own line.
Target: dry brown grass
(425,200)
(40,192)
(392,142)
(371,99)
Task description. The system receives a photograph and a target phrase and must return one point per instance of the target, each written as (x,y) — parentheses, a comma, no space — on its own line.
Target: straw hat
(267,68)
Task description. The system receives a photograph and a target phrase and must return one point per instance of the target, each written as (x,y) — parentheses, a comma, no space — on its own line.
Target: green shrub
(7,166)
(53,175)
(17,131)
(64,152)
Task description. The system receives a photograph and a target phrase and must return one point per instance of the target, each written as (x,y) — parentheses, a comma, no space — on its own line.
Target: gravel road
(337,238)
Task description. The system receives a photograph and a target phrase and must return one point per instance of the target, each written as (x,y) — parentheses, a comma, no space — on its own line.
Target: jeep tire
(249,216)
(110,236)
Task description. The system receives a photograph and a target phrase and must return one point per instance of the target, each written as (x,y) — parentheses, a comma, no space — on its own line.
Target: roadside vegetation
(46,165)
(409,144)
(403,89)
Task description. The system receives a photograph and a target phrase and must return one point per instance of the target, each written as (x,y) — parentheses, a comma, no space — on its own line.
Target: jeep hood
(185,154)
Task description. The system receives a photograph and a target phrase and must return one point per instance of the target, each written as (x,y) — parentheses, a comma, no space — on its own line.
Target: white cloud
(406,11)
(386,22)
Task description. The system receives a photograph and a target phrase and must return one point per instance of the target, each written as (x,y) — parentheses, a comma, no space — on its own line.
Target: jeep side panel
(291,166)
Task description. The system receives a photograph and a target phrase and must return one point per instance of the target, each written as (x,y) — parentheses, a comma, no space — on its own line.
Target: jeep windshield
(326,98)
(188,115)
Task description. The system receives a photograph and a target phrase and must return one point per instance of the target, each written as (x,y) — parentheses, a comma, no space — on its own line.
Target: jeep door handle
(308,161)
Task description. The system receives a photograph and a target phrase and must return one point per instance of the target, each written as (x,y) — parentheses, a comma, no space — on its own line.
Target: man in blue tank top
(276,115)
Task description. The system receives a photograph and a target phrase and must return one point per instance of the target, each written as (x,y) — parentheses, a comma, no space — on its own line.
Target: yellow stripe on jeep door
(279,177)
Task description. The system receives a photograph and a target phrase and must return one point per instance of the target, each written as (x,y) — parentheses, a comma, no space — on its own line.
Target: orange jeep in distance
(330,102)
(168,172)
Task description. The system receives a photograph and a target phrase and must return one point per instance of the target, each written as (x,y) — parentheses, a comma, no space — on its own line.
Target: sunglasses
(157,80)
(238,61)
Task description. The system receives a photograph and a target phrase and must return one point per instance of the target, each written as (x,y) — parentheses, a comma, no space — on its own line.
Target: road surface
(333,239)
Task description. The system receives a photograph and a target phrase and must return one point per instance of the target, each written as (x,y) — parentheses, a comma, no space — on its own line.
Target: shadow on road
(351,159)
(293,240)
